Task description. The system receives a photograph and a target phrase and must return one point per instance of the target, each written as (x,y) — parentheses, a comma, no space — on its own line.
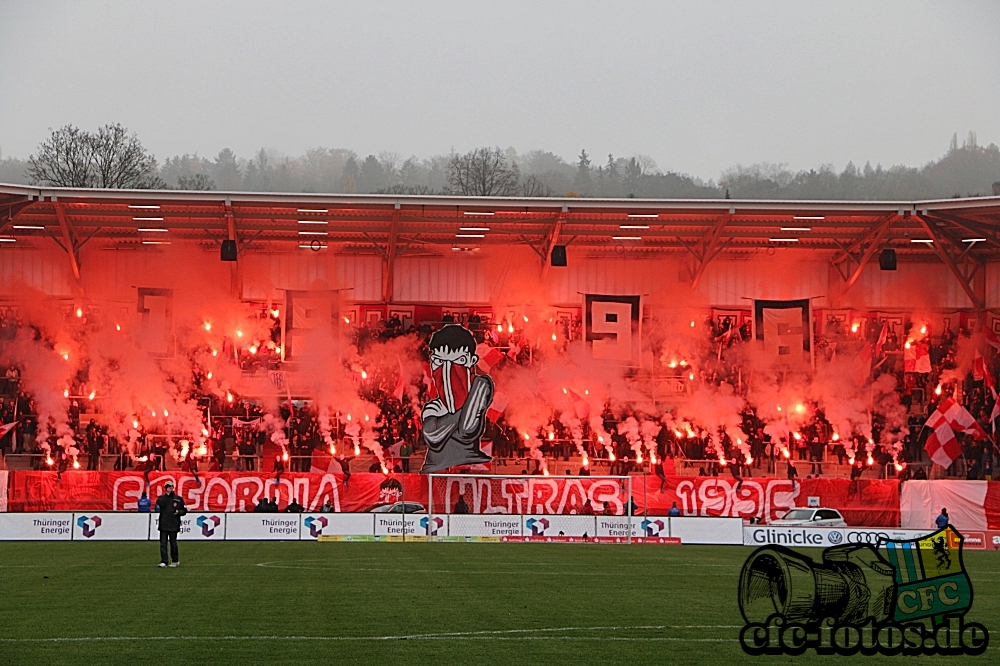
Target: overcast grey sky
(699,86)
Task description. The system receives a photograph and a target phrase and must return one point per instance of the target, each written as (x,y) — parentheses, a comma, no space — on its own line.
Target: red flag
(981,372)
(6,428)
(862,366)
(580,406)
(882,337)
(995,414)
(429,383)
(400,383)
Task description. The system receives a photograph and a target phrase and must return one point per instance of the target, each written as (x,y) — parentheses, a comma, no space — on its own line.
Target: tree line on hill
(115,158)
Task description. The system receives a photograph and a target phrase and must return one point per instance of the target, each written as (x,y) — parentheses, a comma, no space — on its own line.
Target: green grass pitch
(392,603)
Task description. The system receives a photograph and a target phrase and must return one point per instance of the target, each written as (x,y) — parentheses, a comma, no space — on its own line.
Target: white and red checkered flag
(488,356)
(917,357)
(942,446)
(991,337)
(960,419)
(496,409)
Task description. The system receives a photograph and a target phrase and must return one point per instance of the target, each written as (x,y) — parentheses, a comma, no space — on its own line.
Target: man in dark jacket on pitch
(170,507)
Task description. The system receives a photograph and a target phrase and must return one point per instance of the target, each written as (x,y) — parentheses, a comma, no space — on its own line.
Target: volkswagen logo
(835,537)
(867,537)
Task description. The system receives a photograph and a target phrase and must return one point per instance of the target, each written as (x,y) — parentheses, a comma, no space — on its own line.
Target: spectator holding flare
(171,508)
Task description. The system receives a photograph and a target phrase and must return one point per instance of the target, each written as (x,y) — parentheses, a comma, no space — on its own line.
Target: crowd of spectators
(238,443)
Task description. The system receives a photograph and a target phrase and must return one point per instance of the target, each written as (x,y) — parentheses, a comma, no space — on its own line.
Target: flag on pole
(400,383)
(942,446)
(488,356)
(861,368)
(995,414)
(882,337)
(580,406)
(981,372)
(950,417)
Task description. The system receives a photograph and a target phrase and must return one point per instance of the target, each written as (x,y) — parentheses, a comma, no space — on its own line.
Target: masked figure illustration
(454,419)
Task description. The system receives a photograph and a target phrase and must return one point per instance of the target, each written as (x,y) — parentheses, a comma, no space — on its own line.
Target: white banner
(391,524)
(617,526)
(708,530)
(315,525)
(262,526)
(490,525)
(823,537)
(110,526)
(36,526)
(3,491)
(194,527)
(556,525)
(920,502)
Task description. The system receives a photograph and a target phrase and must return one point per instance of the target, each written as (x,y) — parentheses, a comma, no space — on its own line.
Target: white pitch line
(477,572)
(504,634)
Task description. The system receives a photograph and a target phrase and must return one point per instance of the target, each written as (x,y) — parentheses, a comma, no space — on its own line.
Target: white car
(811,518)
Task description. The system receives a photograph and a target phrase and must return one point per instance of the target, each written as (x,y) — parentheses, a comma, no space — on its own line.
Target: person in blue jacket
(942,520)
(144,503)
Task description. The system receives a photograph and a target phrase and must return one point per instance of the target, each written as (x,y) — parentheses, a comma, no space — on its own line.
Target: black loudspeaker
(887,260)
(228,250)
(558,255)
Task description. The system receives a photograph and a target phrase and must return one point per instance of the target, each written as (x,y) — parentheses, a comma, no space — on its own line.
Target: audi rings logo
(867,537)
(835,537)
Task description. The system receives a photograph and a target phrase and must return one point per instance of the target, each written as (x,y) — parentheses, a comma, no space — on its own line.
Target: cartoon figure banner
(455,416)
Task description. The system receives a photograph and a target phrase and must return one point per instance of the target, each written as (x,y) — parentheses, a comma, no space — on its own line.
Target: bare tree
(108,158)
(534,187)
(483,172)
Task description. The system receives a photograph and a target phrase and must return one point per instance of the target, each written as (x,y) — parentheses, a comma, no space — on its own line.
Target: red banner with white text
(863,503)
(212,491)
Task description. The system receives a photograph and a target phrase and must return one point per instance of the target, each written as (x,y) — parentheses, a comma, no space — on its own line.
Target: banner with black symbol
(784,329)
(612,327)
